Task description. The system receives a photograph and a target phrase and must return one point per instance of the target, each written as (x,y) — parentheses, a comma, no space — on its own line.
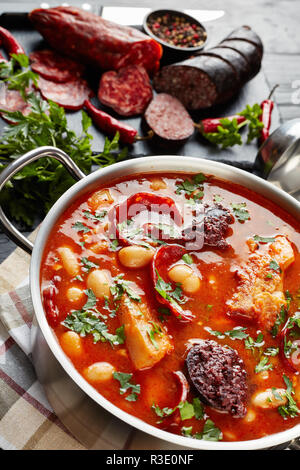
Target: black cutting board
(254,91)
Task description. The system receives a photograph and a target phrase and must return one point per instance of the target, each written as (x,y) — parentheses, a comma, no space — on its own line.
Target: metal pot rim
(164,163)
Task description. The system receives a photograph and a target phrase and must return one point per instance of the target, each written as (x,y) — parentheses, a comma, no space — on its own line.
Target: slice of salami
(245,33)
(198,83)
(11,100)
(168,118)
(70,95)
(127,91)
(55,67)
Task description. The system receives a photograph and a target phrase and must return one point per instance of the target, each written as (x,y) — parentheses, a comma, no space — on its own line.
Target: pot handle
(16,166)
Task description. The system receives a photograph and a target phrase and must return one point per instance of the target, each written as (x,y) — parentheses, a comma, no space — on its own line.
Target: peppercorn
(177,30)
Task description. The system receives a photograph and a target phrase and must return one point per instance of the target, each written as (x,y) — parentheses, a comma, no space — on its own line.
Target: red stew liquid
(84,230)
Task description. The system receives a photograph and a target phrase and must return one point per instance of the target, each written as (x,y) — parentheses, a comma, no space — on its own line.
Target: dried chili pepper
(266,116)
(10,43)
(110,125)
(212,124)
(165,257)
(120,214)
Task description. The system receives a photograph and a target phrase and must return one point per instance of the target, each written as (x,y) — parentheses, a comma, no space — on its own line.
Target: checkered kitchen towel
(27,420)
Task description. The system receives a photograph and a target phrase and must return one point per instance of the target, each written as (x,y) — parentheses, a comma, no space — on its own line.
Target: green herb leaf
(259,239)
(125,385)
(240,211)
(80,227)
(121,286)
(263,365)
(187,258)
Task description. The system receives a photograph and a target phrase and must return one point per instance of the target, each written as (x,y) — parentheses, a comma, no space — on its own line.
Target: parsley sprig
(228,133)
(35,188)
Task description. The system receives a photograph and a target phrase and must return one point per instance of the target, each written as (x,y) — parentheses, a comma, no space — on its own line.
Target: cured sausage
(237,61)
(219,376)
(214,76)
(11,100)
(168,119)
(127,91)
(245,33)
(53,66)
(93,40)
(70,95)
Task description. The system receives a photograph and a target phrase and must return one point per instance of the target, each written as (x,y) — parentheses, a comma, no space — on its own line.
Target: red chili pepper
(149,201)
(110,125)
(266,115)
(211,125)
(165,257)
(10,43)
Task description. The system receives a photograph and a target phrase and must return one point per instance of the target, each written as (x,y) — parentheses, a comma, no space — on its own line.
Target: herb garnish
(87,264)
(263,365)
(259,239)
(192,188)
(125,385)
(210,432)
(240,211)
(120,286)
(290,409)
(36,187)
(80,227)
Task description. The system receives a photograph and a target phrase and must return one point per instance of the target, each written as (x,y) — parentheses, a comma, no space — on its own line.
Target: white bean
(69,260)
(99,372)
(270,398)
(135,256)
(74,294)
(184,274)
(99,281)
(71,343)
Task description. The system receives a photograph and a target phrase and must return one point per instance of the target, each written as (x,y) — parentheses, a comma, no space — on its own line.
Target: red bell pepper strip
(149,201)
(266,116)
(211,124)
(282,341)
(110,125)
(165,257)
(10,43)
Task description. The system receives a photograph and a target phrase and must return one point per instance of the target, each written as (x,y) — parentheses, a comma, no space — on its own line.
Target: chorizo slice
(70,95)
(11,100)
(55,67)
(127,91)
(219,376)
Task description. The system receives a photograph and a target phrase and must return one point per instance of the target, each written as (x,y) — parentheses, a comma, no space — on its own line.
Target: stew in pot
(177,298)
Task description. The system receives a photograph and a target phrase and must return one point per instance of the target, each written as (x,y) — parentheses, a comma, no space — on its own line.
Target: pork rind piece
(146,340)
(260,295)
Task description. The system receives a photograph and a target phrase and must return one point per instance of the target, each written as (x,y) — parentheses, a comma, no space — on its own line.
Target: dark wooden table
(276,22)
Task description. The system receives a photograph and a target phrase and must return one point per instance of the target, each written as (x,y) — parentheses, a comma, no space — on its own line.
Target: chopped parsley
(114,245)
(210,432)
(263,365)
(274,265)
(87,264)
(240,211)
(152,332)
(80,227)
(120,286)
(187,258)
(97,216)
(88,323)
(259,239)
(281,317)
(192,188)
(290,409)
(250,343)
(126,385)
